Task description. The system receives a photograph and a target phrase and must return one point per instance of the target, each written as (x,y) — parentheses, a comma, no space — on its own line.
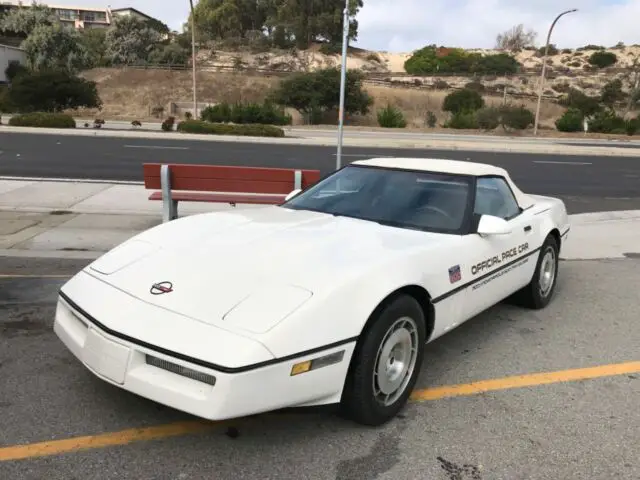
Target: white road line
(563,163)
(71,180)
(156,147)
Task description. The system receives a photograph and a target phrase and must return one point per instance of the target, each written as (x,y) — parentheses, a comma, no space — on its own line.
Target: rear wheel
(386,363)
(539,292)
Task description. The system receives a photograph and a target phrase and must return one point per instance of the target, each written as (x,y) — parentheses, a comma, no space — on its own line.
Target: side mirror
(490,225)
(292,194)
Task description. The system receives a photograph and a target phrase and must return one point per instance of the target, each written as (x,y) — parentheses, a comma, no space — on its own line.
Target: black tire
(359,399)
(533,296)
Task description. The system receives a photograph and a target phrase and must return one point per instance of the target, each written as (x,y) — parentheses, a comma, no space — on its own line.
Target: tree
(94,41)
(318,91)
(515,39)
(130,40)
(463,101)
(23,21)
(52,91)
(55,47)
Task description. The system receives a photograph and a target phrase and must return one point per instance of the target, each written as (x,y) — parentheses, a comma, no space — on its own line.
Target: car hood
(276,257)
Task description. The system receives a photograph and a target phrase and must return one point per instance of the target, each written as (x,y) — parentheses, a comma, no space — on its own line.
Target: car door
(497,265)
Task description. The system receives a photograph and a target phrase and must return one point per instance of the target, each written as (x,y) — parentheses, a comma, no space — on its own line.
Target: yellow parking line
(529,380)
(55,447)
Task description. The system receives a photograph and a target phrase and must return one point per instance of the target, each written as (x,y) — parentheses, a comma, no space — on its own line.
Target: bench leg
(169,210)
(169,205)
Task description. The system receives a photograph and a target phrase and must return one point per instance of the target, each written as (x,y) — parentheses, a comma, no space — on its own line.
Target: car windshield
(407,199)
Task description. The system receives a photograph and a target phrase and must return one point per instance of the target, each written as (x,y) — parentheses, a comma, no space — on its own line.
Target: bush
(391,117)
(606,121)
(462,101)
(571,121)
(167,124)
(15,69)
(52,91)
(431,119)
(319,91)
(488,118)
(602,59)
(462,121)
(432,59)
(517,118)
(253,130)
(43,120)
(267,114)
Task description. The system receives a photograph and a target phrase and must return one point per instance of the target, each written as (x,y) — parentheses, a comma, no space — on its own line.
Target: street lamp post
(343,81)
(193,59)
(544,69)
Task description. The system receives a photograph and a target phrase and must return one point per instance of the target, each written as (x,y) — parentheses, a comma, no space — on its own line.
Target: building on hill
(8,55)
(79,17)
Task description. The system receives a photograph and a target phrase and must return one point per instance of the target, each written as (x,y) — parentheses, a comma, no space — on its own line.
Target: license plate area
(106,357)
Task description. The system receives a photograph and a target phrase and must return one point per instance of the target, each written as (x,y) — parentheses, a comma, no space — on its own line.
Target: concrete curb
(409,144)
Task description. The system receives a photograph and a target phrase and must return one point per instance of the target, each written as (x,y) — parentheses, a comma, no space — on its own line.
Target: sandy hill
(245,76)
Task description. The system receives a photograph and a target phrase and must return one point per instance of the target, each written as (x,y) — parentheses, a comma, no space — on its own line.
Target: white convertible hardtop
(456,167)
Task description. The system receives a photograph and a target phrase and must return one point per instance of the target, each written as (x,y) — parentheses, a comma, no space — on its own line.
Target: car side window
(494,197)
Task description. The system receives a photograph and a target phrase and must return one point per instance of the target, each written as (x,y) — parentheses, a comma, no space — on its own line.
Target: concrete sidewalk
(85,219)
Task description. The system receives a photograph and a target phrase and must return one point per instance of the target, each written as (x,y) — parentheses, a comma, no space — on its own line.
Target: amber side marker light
(314,364)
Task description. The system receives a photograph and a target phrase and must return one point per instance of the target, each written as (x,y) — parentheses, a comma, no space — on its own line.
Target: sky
(406,25)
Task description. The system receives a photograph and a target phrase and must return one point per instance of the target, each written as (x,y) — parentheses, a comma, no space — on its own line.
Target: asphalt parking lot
(478,413)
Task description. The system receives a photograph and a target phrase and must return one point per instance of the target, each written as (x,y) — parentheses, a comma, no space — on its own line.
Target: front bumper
(191,387)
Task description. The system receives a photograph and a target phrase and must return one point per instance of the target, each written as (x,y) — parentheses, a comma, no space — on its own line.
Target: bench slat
(228,178)
(221,198)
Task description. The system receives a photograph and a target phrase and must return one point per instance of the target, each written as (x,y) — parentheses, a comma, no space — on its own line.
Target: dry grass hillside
(242,76)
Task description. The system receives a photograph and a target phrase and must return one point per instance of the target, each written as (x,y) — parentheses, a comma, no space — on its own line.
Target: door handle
(527,228)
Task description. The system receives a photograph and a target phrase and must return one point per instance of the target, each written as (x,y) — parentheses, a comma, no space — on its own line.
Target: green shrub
(168,123)
(252,130)
(633,125)
(43,120)
(462,101)
(570,121)
(488,118)
(391,117)
(432,59)
(606,121)
(602,59)
(462,121)
(266,113)
(52,91)
(431,119)
(517,118)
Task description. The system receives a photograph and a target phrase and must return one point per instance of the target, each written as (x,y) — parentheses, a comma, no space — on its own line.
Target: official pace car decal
(498,259)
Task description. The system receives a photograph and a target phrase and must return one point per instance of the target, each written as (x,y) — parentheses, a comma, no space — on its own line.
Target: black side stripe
(196,361)
(462,287)
(450,293)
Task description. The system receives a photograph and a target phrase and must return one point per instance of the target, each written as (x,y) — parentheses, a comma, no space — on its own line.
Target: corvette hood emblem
(161,288)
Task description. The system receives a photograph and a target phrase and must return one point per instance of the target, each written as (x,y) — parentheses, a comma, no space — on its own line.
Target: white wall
(8,55)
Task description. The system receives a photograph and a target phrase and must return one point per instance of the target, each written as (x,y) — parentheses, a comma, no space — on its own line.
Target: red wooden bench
(222,184)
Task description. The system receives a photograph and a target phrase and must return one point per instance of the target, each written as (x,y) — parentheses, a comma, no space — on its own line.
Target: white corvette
(330,298)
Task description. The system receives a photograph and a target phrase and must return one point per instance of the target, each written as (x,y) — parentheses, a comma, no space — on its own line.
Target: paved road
(586,183)
(331,132)
(585,429)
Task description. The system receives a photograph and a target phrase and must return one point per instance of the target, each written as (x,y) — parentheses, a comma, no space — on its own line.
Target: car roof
(440,165)
(443,165)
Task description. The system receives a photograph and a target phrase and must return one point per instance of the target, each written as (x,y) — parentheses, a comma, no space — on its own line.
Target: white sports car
(329,298)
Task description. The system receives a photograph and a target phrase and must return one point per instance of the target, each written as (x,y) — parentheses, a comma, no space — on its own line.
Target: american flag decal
(454,274)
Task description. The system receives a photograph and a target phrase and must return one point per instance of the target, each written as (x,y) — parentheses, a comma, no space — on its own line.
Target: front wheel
(386,363)
(539,292)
